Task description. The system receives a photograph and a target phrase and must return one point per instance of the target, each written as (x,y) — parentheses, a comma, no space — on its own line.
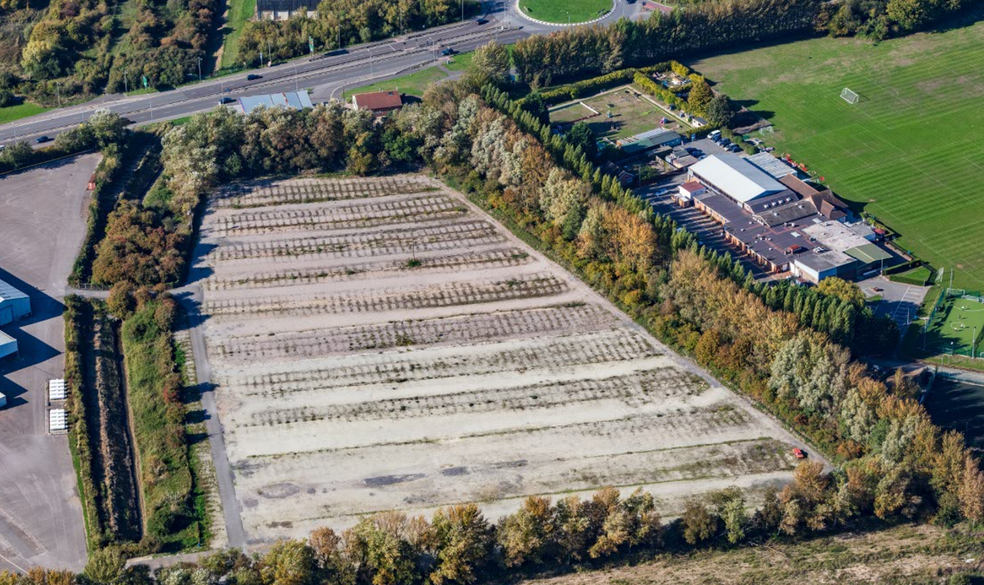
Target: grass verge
(240,11)
(11,113)
(414,84)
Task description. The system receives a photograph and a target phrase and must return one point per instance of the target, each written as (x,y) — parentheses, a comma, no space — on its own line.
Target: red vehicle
(799,453)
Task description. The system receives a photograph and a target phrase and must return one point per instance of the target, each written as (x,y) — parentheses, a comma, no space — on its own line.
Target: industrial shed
(8,345)
(731,175)
(14,304)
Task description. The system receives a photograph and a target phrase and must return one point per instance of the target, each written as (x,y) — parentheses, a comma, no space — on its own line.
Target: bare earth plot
(381,344)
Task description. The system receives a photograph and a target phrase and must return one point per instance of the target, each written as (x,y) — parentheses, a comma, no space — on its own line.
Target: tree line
(341,23)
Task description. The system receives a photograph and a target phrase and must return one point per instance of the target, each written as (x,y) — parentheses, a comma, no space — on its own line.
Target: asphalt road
(326,76)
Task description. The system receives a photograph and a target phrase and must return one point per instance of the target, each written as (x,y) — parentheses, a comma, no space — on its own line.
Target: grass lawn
(919,276)
(630,113)
(11,113)
(906,153)
(414,83)
(240,11)
(564,11)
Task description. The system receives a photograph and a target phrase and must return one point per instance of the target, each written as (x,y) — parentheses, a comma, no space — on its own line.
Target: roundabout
(565,12)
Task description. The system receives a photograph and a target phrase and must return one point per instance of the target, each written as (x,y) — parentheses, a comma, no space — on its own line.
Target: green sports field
(911,152)
(954,327)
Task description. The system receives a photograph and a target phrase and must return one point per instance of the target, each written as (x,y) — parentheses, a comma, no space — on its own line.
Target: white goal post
(849,96)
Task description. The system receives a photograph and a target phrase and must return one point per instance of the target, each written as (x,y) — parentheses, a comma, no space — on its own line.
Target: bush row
(155,387)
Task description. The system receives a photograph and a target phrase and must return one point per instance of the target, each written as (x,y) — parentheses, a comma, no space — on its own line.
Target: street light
(295,76)
(371,74)
(199,70)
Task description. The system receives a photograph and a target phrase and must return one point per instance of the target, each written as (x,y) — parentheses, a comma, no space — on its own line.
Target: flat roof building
(649,140)
(295,100)
(775,167)
(731,175)
(14,304)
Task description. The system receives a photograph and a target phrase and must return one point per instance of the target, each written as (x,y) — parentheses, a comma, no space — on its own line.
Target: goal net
(849,96)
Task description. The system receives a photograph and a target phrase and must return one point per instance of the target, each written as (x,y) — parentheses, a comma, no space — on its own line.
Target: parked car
(226,100)
(799,453)
(2,147)
(734,148)
(42,139)
(253,77)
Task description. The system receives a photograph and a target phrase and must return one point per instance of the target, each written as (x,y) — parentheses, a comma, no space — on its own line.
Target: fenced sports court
(956,324)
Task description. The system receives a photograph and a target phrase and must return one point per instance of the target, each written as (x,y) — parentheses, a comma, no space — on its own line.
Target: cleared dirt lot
(381,344)
(42,223)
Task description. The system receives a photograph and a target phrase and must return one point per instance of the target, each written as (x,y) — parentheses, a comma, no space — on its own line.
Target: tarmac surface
(42,225)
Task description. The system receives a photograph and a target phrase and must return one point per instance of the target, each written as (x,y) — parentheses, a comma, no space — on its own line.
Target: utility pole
(462,10)
(199,70)
(126,85)
(58,93)
(295,76)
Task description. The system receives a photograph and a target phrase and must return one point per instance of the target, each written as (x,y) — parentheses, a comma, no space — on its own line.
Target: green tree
(699,524)
(720,111)
(289,562)
(464,542)
(490,64)
(526,535)
(843,290)
(700,94)
(581,135)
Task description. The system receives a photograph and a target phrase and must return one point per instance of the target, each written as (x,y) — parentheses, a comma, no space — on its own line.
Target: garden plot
(381,344)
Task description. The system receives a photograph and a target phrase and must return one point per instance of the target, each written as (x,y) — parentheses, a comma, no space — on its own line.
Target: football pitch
(909,151)
(955,325)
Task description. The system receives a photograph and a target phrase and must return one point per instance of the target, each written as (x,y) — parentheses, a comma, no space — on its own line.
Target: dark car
(226,100)
(42,139)
(480,21)
(448,51)
(253,77)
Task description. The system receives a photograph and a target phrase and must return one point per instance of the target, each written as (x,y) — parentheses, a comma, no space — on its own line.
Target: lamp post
(295,76)
(199,70)
(126,84)
(371,73)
